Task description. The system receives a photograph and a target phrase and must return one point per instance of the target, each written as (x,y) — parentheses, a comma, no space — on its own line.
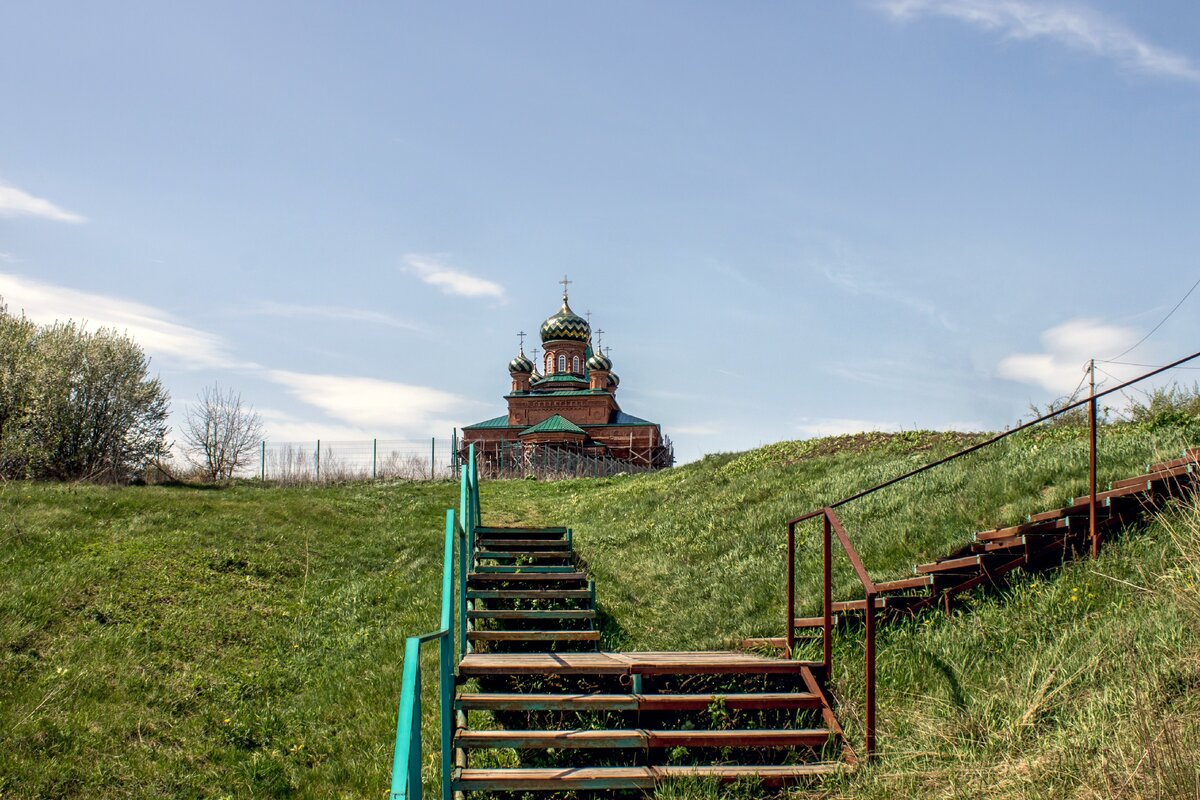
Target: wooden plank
(636,702)
(486,529)
(533,636)
(527,577)
(640,738)
(951,565)
(1052,526)
(539,613)
(526,569)
(652,663)
(560,779)
(528,594)
(512,555)
(918,582)
(496,544)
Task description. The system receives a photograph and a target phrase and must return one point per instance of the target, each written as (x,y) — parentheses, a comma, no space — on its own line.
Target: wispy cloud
(294,311)
(858,282)
(16,202)
(8,258)
(374,404)
(450,280)
(1067,348)
(154,329)
(1073,26)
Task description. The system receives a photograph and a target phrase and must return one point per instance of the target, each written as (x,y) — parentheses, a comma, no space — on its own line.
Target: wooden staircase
(539,708)
(1043,541)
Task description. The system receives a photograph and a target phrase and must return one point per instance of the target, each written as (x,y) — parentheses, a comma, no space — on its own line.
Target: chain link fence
(332,461)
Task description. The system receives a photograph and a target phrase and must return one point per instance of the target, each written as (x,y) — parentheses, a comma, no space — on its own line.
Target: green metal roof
(497,422)
(554,424)
(560,393)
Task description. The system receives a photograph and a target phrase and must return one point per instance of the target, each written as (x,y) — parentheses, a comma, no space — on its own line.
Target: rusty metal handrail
(833,525)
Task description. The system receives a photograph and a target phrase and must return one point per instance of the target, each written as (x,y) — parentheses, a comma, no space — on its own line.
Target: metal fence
(330,461)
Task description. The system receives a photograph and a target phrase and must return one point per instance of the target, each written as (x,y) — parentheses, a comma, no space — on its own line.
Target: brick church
(563,412)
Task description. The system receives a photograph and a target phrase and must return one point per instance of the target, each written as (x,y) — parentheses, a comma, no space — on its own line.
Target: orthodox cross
(565,283)
(607,351)
(600,339)
(536,350)
(588,314)
(522,336)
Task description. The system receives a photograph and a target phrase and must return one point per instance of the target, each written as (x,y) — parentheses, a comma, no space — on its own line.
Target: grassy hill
(245,642)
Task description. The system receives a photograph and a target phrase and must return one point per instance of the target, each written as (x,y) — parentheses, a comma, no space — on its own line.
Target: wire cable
(1160,322)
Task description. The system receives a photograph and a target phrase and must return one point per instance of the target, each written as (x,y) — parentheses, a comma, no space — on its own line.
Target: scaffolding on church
(560,461)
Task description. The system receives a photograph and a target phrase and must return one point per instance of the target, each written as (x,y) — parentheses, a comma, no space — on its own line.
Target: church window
(562,363)
(549,363)
(575,364)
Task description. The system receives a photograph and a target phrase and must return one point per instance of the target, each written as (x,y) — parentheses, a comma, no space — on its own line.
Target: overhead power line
(1160,323)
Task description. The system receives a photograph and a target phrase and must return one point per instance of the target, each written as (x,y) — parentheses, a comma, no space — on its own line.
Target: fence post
(318,460)
(454,453)
(262,462)
(432,455)
(1095,537)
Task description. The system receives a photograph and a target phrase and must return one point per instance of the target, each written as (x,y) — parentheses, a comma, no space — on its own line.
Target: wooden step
(525,577)
(528,594)
(649,663)
(533,636)
(904,584)
(498,544)
(1000,544)
(640,739)
(636,702)
(1048,527)
(967,564)
(1158,475)
(559,779)
(512,555)
(484,530)
(525,569)
(539,613)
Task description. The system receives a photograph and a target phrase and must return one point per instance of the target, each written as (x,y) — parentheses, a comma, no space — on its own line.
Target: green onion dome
(520,364)
(566,324)
(613,380)
(599,363)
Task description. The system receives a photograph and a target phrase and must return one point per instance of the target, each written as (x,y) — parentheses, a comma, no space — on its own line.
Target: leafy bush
(76,405)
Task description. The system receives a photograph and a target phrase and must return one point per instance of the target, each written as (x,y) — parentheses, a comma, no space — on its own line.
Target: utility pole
(1092,459)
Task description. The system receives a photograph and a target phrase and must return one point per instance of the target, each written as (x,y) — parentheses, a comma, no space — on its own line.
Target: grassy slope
(135,622)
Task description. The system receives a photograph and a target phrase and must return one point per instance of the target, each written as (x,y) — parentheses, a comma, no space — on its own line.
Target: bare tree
(220,432)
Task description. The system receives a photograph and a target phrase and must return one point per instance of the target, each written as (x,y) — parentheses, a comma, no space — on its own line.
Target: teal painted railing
(408,754)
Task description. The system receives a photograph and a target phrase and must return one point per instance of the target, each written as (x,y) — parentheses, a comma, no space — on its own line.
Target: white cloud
(449,280)
(153,328)
(695,430)
(15,202)
(293,311)
(1067,348)
(836,426)
(7,258)
(373,404)
(1072,26)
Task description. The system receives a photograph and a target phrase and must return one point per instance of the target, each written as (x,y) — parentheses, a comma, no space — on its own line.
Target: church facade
(563,410)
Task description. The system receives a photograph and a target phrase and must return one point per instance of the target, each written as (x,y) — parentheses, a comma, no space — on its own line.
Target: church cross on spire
(600,339)
(522,336)
(565,284)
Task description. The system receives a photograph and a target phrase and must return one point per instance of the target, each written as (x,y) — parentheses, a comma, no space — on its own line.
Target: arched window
(562,363)
(575,365)
(549,363)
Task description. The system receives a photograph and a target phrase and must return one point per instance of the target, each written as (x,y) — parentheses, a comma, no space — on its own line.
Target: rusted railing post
(869,612)
(791,590)
(1095,537)
(827,597)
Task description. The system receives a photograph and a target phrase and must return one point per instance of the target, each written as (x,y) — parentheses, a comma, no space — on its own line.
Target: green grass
(246,642)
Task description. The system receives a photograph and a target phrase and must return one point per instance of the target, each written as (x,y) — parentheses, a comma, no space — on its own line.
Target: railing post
(318,460)
(408,748)
(791,590)
(262,462)
(1095,536)
(446,693)
(374,457)
(827,597)
(432,455)
(415,789)
(869,612)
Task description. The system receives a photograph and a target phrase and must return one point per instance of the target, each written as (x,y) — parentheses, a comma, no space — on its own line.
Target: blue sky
(792,218)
